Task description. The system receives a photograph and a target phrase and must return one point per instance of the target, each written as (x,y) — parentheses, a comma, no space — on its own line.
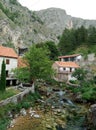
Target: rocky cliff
(21,27)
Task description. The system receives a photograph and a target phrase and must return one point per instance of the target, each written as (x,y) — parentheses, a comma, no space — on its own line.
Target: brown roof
(21,62)
(74,55)
(67,64)
(7,52)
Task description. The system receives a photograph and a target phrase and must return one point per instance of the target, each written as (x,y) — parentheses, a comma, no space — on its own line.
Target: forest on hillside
(80,40)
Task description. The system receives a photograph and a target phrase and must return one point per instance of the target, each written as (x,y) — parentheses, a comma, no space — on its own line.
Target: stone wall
(16,98)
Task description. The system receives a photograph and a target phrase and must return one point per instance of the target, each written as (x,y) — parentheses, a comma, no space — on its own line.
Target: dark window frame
(7,61)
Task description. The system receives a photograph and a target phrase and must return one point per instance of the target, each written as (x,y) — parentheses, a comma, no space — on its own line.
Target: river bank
(53,120)
(53,111)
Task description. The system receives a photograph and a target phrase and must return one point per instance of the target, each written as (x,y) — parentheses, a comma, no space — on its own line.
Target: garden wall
(16,98)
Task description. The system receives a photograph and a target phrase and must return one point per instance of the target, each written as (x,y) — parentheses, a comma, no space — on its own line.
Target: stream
(76,120)
(56,112)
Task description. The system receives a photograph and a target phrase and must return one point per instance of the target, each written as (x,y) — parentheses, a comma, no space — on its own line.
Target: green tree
(54,52)
(92,35)
(22,74)
(67,42)
(53,49)
(3,77)
(72,39)
(80,75)
(38,64)
(87,84)
(81,35)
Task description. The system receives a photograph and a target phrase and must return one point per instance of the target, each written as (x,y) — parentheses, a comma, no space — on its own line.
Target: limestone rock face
(22,27)
(55,19)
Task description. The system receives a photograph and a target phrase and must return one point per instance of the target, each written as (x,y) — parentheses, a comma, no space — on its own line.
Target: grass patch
(8,93)
(27,102)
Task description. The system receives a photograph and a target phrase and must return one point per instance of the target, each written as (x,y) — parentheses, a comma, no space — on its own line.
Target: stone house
(10,57)
(64,70)
(11,60)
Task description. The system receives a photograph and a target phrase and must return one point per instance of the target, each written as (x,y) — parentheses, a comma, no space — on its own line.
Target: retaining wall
(16,98)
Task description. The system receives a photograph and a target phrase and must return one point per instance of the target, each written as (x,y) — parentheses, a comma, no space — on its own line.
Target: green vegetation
(36,18)
(38,65)
(10,15)
(3,77)
(8,93)
(87,90)
(54,52)
(86,86)
(13,2)
(52,47)
(22,74)
(80,74)
(27,102)
(9,44)
(74,40)
(3,123)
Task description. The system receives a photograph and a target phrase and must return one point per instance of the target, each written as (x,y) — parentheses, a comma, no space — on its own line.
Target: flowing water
(76,122)
(59,105)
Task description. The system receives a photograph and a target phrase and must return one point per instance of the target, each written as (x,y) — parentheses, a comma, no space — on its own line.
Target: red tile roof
(67,64)
(7,52)
(74,55)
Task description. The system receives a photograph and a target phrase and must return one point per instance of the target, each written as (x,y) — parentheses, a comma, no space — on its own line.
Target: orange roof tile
(74,55)
(67,64)
(21,62)
(7,52)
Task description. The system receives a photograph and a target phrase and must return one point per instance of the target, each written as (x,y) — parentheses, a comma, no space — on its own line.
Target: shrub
(4,123)
(26,105)
(88,91)
(3,77)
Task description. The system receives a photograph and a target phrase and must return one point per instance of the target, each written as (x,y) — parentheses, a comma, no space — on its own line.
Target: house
(64,70)
(73,58)
(66,66)
(11,59)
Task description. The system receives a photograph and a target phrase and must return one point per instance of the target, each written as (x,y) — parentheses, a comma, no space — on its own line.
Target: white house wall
(67,69)
(78,58)
(73,69)
(12,63)
(61,69)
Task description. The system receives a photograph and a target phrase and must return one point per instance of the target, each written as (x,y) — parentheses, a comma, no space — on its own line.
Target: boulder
(36,116)
(93,113)
(23,112)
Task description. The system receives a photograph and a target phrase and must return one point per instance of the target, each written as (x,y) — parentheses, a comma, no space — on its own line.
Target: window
(7,61)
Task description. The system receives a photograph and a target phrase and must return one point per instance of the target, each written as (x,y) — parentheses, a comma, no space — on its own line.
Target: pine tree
(3,77)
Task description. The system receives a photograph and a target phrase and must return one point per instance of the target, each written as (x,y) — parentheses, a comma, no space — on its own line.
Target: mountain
(21,27)
(58,20)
